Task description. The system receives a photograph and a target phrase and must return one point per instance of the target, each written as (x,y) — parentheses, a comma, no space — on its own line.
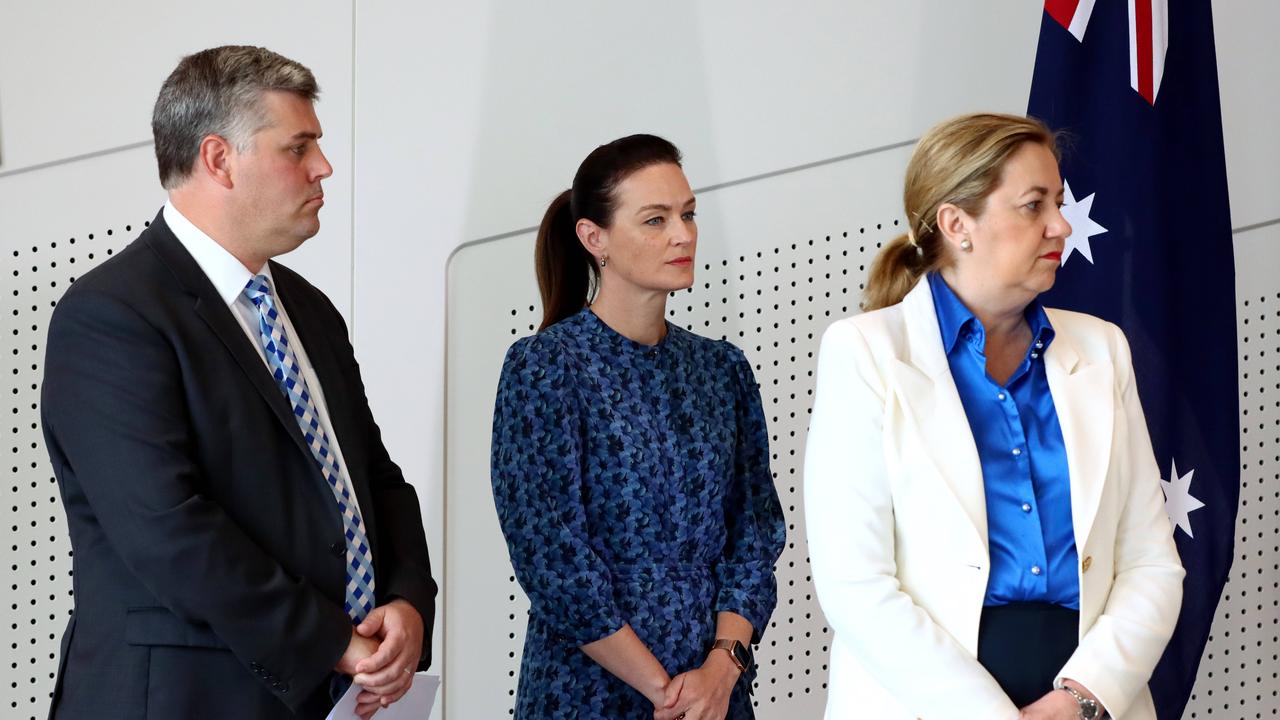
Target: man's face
(276,195)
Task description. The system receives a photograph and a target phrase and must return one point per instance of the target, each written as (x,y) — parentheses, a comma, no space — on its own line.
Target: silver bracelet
(1086,709)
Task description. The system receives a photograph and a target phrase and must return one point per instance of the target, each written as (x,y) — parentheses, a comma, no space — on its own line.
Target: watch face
(1089,710)
(741,654)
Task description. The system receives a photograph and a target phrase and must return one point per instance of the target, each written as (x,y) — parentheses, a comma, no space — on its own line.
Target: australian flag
(1134,85)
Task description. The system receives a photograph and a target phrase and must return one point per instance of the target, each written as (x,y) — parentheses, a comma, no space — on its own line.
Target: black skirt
(1025,645)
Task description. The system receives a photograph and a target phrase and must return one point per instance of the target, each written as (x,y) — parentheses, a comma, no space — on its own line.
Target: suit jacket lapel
(1085,402)
(215,313)
(319,341)
(929,395)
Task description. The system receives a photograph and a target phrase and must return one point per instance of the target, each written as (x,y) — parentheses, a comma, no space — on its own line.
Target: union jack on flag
(1148,37)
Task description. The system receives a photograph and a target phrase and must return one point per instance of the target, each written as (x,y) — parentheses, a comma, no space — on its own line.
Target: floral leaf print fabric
(632,484)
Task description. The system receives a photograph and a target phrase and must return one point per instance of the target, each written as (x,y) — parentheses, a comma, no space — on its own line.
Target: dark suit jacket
(208,550)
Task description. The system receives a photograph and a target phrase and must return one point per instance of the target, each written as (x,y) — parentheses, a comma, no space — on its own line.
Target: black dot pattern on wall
(774,304)
(39,592)
(1240,670)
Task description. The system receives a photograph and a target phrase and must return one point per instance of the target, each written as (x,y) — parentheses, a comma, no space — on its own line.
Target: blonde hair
(959,161)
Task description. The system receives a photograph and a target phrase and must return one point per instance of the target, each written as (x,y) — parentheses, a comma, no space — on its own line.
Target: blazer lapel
(319,341)
(932,402)
(215,313)
(1085,403)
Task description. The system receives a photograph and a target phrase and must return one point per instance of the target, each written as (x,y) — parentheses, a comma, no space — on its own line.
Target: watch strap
(1087,709)
(737,653)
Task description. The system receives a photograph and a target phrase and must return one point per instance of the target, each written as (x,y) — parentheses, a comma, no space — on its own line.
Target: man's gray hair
(218,92)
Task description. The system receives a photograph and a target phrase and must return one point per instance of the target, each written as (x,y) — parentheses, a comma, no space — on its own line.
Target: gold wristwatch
(737,651)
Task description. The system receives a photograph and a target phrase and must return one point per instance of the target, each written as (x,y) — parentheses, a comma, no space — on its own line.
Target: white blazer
(897,523)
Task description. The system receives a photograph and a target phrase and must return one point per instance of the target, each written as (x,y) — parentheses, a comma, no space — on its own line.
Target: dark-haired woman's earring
(604,260)
(965,245)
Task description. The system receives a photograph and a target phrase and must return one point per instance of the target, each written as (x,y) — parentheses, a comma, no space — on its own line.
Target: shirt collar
(228,275)
(954,318)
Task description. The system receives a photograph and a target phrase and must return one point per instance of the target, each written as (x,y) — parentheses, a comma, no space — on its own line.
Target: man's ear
(216,160)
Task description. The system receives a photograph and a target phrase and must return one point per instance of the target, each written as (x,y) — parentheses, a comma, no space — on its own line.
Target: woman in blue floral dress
(630,465)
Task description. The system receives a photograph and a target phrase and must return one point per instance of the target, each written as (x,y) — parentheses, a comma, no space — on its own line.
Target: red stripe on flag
(1142,23)
(1062,11)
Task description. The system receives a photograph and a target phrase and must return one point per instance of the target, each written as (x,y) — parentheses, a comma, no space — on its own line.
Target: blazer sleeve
(537,474)
(849,515)
(754,526)
(1117,655)
(113,405)
(402,559)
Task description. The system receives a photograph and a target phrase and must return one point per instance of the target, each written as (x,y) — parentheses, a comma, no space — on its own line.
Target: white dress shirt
(229,278)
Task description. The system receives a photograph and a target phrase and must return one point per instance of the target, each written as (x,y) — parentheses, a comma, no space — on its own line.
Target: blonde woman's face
(1019,237)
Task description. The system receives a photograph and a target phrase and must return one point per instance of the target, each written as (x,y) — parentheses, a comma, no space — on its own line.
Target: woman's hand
(1060,704)
(701,694)
(1055,705)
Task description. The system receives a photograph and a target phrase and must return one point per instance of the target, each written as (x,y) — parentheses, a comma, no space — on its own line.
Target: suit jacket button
(1088,560)
(338,549)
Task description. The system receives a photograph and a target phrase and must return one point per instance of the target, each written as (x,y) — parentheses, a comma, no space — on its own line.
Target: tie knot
(258,289)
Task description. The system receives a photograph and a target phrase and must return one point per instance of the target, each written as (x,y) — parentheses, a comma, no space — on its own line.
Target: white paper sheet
(415,705)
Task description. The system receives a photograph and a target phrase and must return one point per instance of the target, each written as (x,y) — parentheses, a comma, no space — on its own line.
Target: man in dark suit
(243,544)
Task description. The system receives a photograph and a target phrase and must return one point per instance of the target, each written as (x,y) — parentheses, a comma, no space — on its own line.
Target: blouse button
(1000,396)
(1026,507)
(1017,452)
(1035,355)
(1035,569)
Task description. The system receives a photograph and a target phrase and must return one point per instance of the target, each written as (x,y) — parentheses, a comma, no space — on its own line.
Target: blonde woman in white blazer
(928,576)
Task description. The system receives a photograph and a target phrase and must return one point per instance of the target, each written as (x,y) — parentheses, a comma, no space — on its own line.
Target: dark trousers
(1025,645)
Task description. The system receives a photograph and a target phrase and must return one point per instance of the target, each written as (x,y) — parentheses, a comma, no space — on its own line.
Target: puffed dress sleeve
(537,474)
(754,525)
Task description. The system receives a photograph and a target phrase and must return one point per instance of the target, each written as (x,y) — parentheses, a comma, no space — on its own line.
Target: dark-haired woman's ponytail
(566,271)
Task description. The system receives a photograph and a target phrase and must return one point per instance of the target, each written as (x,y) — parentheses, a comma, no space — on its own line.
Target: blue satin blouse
(1024,460)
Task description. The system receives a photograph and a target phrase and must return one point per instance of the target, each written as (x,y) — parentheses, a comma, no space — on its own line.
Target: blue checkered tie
(288,375)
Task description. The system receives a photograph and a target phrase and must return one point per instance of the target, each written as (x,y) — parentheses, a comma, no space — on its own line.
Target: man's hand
(359,649)
(701,694)
(387,674)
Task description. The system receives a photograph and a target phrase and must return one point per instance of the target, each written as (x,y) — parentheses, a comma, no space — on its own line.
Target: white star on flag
(1178,501)
(1083,227)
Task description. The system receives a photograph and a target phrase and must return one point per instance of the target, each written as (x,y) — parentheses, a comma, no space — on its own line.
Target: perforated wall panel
(1239,671)
(36,273)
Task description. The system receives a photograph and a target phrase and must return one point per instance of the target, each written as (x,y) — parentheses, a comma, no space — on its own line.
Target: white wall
(452,122)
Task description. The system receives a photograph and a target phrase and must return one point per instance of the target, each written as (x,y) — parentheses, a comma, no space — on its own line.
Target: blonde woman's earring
(965,245)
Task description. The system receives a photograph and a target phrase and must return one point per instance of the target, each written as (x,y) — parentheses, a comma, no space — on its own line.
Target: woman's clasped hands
(701,694)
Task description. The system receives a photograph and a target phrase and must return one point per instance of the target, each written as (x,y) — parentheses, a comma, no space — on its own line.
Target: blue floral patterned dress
(632,483)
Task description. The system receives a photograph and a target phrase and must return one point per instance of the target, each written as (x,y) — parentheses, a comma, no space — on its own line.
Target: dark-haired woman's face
(653,237)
